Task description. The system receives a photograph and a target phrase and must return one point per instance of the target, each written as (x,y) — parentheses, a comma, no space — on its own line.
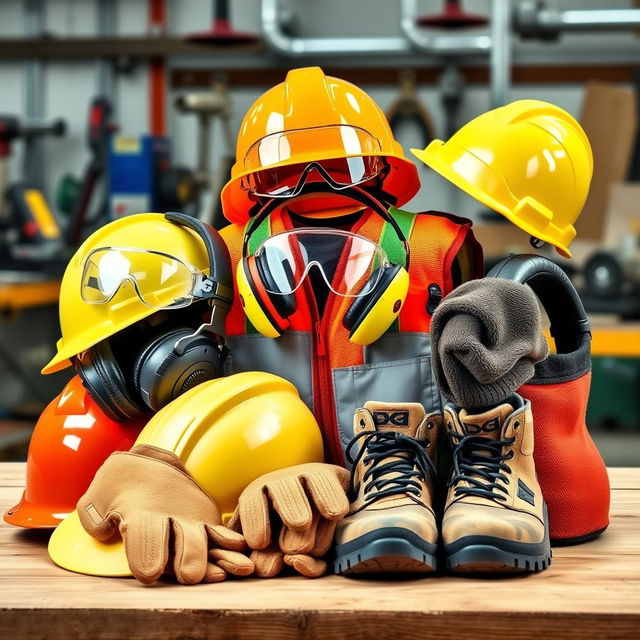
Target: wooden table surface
(590,591)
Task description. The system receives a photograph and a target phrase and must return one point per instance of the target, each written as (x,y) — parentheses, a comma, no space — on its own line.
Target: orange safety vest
(333,375)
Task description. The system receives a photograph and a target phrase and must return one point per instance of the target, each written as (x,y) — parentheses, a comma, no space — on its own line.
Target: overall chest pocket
(288,356)
(382,379)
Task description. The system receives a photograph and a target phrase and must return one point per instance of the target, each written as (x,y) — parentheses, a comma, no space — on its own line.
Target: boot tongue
(487,424)
(403,417)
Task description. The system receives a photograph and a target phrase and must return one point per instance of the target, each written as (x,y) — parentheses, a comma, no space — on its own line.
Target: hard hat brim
(72,548)
(31,516)
(431,157)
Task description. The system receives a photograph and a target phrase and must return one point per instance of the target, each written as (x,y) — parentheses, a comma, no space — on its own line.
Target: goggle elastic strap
(356,193)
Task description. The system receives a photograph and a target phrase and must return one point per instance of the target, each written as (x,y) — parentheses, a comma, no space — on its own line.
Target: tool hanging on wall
(209,106)
(222,32)
(408,107)
(29,232)
(453,16)
(100,130)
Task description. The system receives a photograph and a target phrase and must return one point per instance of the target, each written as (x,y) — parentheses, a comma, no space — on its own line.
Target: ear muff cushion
(161,373)
(166,339)
(371,315)
(285,304)
(360,306)
(257,307)
(107,384)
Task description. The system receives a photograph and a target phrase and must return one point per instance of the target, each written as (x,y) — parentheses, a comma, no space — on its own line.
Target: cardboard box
(623,213)
(609,118)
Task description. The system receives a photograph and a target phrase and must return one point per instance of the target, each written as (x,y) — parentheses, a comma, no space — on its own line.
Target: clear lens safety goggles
(350,265)
(359,160)
(159,280)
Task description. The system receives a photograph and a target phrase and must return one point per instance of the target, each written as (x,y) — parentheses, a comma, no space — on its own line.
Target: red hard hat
(71,440)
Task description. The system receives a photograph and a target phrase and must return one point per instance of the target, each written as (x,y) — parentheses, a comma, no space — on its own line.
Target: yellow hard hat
(529,160)
(227,432)
(331,119)
(160,253)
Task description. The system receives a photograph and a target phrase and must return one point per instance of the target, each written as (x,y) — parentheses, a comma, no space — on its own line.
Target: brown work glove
(289,517)
(168,523)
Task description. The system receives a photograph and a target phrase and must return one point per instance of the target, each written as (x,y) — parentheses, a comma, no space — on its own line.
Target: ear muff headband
(219,269)
(556,292)
(356,193)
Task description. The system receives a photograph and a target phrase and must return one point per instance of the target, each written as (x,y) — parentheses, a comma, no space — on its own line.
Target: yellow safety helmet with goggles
(313,119)
(352,266)
(133,267)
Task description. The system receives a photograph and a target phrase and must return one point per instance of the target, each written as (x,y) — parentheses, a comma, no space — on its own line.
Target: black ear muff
(559,298)
(362,306)
(285,304)
(101,375)
(169,365)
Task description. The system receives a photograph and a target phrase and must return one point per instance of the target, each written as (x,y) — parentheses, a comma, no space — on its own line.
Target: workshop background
(97,91)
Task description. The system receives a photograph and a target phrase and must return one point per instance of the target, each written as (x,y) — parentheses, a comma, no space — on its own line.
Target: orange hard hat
(71,440)
(331,118)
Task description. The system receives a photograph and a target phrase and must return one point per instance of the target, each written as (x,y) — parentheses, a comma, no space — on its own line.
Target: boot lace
(481,463)
(412,464)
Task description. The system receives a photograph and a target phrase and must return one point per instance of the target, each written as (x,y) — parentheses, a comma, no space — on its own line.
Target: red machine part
(453,16)
(222,31)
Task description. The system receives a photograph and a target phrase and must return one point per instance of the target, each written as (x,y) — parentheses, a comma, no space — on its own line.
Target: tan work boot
(391,526)
(495,518)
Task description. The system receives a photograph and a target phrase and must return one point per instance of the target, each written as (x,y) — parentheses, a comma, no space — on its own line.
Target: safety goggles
(358,160)
(350,265)
(159,280)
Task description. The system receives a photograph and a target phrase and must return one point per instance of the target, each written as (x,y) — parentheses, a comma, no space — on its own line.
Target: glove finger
(328,492)
(290,502)
(235,523)
(267,562)
(325,532)
(255,519)
(224,538)
(306,565)
(300,541)
(146,543)
(296,541)
(95,524)
(214,573)
(190,552)
(232,562)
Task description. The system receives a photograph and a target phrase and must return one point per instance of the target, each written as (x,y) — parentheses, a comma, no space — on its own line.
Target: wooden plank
(591,590)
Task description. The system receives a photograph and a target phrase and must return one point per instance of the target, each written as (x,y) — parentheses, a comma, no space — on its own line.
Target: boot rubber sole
(386,550)
(485,554)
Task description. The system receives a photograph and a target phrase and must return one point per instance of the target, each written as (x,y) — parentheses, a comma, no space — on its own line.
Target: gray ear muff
(162,372)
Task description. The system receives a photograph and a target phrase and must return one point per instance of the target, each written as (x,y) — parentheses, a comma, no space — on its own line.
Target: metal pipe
(106,26)
(434,44)
(33,158)
(500,55)
(534,19)
(439,44)
(299,47)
